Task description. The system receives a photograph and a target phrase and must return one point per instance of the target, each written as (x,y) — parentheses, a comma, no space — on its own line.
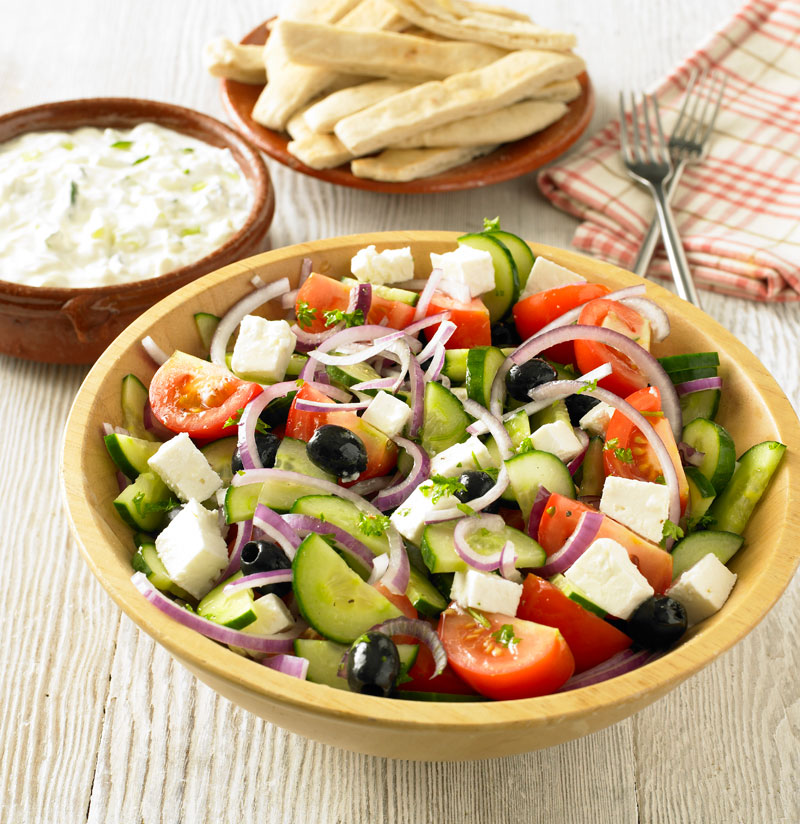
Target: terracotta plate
(508,161)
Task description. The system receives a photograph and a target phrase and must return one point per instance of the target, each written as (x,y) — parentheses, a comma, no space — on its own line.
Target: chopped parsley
(491,225)
(479,618)
(466,509)
(526,445)
(73,192)
(140,160)
(153,506)
(334,316)
(655,413)
(187,150)
(373,524)
(234,419)
(623,455)
(611,444)
(505,636)
(442,487)
(671,530)
(305,314)
(588,386)
(191,230)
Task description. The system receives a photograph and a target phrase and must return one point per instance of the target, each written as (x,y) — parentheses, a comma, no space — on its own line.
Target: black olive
(476,483)
(337,450)
(522,377)
(267,445)
(373,664)
(505,334)
(264,556)
(578,406)
(657,623)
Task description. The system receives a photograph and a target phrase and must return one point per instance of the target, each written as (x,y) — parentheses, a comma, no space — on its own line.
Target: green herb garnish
(441,487)
(140,160)
(234,419)
(305,314)
(373,524)
(624,455)
(73,192)
(334,316)
(491,225)
(505,636)
(479,618)
(671,530)
(123,145)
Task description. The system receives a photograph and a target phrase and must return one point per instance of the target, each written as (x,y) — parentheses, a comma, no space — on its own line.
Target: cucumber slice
(219,455)
(455,363)
(695,547)
(234,610)
(424,596)
(592,469)
(389,292)
(557,411)
(324,658)
(719,452)
(292,457)
(206,324)
(482,365)
(146,560)
(520,251)
(733,507)
(576,594)
(130,454)
(346,376)
(133,398)
(506,277)
(692,360)
(702,404)
(144,504)
(341,513)
(444,421)
(240,502)
(530,470)
(331,597)
(295,365)
(701,494)
(439,552)
(685,375)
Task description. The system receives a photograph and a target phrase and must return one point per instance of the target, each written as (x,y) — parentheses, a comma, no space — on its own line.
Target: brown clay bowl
(65,325)
(412,729)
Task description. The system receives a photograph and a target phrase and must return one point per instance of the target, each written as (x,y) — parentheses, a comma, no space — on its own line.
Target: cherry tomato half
(473,327)
(191,395)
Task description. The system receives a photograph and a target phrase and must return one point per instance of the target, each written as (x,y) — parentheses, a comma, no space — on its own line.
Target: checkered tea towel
(738,211)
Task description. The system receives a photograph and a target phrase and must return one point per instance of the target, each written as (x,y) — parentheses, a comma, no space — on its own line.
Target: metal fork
(687,144)
(652,170)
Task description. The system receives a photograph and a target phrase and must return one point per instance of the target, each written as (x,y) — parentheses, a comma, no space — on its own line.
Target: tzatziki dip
(96,207)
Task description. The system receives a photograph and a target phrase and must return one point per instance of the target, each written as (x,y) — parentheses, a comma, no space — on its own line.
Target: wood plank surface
(98,724)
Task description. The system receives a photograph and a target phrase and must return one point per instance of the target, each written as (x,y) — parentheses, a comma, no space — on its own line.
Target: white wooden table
(98,724)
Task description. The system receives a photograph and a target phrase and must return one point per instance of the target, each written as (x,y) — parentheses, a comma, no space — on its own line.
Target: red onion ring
(393,496)
(653,314)
(306,265)
(571,315)
(464,529)
(293,665)
(422,631)
(314,406)
(258,579)
(246,430)
(689,455)
(424,323)
(427,293)
(508,563)
(244,532)
(417,380)
(574,465)
(577,543)
(280,642)
(439,338)
(436,365)
(305,524)
(372,485)
(537,510)
(698,385)
(493,425)
(272,525)
(622,662)
(289,299)
(153,425)
(155,352)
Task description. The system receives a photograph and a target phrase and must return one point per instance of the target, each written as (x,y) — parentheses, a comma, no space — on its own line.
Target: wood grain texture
(97,724)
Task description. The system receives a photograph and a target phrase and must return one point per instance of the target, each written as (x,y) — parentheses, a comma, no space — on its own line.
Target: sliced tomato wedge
(561,516)
(420,677)
(323,294)
(381,452)
(534,313)
(191,395)
(509,658)
(626,377)
(591,639)
(473,327)
(622,436)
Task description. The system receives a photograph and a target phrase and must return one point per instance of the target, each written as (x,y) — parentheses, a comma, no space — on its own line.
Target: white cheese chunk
(193,551)
(640,505)
(472,267)
(609,578)
(389,266)
(263,349)
(703,588)
(597,419)
(485,591)
(272,616)
(548,275)
(387,413)
(558,439)
(409,518)
(184,469)
(462,457)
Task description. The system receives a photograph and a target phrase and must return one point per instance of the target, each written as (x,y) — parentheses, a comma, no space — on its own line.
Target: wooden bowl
(66,325)
(753,409)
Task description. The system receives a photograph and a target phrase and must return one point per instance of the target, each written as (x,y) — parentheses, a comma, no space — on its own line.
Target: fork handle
(672,241)
(650,241)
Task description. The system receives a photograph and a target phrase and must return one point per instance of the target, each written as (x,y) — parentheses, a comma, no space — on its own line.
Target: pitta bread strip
(328,10)
(380,53)
(235,61)
(508,80)
(326,113)
(563,91)
(512,123)
(319,151)
(402,165)
(465,23)
(502,11)
(290,85)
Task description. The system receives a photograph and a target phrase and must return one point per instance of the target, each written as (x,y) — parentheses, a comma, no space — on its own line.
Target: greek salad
(476,484)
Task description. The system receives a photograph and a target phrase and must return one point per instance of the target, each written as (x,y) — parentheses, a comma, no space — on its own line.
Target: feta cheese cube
(485,591)
(272,616)
(387,413)
(409,518)
(192,549)
(263,349)
(557,438)
(473,267)
(462,457)
(703,588)
(184,469)
(597,419)
(609,578)
(640,505)
(548,275)
(389,266)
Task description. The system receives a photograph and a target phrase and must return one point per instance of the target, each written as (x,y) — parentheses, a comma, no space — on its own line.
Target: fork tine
(704,95)
(719,95)
(665,156)
(648,131)
(636,138)
(676,129)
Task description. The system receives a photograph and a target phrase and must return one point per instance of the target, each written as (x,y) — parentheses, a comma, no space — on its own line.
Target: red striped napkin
(738,211)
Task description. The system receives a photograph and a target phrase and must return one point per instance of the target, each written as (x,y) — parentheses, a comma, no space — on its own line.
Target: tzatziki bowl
(109,205)
(433,729)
